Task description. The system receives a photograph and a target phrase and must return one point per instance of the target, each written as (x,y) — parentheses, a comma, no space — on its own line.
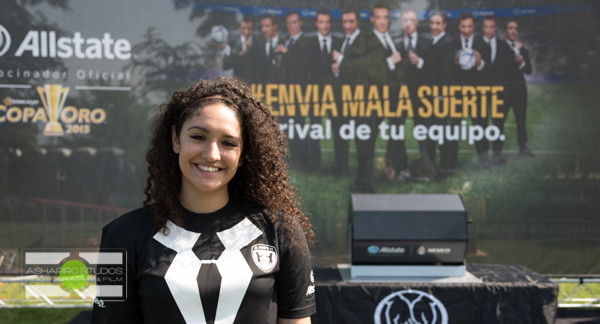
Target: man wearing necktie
(412,48)
(293,69)
(265,56)
(379,66)
(319,56)
(516,90)
(236,53)
(344,66)
(499,59)
(438,67)
(347,60)
(471,74)
(292,64)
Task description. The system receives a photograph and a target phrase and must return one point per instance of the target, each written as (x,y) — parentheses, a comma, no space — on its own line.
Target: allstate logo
(4,40)
(373,249)
(410,306)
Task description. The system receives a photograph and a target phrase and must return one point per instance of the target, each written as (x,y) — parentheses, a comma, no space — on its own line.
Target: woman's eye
(230,144)
(197,137)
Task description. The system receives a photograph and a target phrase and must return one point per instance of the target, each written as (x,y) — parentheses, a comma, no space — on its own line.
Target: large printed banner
(496,104)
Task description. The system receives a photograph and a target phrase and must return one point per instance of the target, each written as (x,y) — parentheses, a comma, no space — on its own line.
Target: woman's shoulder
(138,220)
(286,225)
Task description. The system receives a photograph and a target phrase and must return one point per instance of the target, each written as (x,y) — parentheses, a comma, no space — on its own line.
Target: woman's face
(209,147)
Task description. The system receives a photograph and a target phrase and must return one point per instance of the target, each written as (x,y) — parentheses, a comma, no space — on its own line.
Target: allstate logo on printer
(374,249)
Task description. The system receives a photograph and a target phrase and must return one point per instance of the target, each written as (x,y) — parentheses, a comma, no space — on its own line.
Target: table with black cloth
(501,294)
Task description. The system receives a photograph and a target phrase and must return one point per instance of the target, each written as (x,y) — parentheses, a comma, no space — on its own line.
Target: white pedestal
(405,273)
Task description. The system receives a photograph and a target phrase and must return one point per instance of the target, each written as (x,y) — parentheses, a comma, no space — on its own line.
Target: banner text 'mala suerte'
(383,101)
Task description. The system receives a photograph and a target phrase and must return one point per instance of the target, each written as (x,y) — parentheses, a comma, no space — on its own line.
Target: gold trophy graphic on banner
(53,97)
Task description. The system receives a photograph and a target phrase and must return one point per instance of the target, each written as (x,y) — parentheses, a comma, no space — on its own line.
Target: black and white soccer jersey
(230,266)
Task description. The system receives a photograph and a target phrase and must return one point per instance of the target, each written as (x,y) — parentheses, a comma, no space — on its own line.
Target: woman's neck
(203,204)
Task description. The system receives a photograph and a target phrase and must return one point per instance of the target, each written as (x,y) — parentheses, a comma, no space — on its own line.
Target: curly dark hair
(263,176)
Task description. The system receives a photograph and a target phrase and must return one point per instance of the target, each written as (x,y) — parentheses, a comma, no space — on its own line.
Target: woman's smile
(209,148)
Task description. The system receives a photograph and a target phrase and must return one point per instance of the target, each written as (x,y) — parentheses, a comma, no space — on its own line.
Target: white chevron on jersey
(233,268)
(183,270)
(235,271)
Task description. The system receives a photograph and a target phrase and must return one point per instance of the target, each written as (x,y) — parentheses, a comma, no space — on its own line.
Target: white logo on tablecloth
(410,306)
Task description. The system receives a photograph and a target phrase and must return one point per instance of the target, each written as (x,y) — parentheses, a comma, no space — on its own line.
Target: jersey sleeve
(295,280)
(109,307)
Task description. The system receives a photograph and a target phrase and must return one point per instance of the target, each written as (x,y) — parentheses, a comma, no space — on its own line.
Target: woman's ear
(174,140)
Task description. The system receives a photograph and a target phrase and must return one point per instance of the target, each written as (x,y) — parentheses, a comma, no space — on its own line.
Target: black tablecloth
(504,294)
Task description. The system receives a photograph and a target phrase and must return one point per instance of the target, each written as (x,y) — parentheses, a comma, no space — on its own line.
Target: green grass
(13,294)
(39,315)
(576,291)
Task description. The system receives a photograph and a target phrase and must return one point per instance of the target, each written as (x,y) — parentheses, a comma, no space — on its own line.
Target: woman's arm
(305,320)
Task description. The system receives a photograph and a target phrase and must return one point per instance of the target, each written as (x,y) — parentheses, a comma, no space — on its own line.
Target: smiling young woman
(209,146)
(222,236)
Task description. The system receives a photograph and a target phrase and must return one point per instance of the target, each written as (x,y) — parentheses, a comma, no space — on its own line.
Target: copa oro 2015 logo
(58,118)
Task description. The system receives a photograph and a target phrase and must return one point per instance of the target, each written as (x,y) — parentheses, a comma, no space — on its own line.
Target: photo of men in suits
(319,52)
(237,50)
(516,88)
(371,57)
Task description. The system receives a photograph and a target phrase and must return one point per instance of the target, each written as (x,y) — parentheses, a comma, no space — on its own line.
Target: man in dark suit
(382,53)
(292,64)
(516,89)
(468,67)
(319,55)
(293,69)
(265,58)
(353,47)
(499,58)
(438,70)
(319,50)
(412,48)
(379,66)
(236,52)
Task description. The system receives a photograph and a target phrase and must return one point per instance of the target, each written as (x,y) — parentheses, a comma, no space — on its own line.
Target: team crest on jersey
(264,256)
